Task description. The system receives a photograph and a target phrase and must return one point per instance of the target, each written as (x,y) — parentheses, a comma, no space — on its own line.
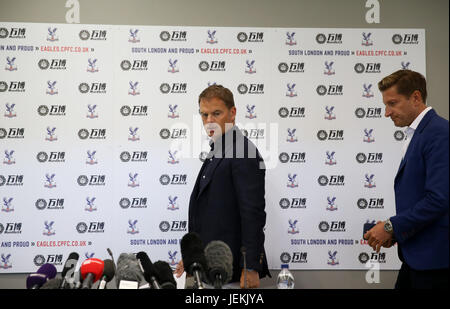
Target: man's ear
(417,97)
(233,113)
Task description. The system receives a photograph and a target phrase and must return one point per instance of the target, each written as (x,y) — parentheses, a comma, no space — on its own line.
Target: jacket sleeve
(249,184)
(435,202)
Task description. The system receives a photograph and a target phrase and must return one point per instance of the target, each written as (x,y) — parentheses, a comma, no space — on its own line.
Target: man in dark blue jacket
(420,226)
(228,199)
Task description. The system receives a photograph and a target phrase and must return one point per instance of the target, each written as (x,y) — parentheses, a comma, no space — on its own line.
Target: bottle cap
(284,266)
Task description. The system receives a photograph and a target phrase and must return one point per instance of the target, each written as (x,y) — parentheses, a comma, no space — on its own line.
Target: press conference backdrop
(344,14)
(102,139)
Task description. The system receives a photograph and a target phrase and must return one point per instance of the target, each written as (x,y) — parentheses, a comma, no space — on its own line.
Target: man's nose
(210,119)
(387,112)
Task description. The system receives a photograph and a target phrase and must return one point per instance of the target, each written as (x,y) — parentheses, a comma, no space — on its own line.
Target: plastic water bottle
(285,278)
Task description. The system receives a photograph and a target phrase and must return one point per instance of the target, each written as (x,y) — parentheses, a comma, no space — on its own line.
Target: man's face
(215,114)
(401,109)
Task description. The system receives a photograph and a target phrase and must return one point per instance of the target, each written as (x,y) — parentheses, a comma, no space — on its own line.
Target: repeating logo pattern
(108,143)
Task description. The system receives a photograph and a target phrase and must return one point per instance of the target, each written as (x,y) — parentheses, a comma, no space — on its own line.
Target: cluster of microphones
(209,266)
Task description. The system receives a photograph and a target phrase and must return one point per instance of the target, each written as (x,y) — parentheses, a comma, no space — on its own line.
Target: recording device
(91,271)
(128,273)
(244,255)
(39,278)
(108,273)
(220,263)
(193,257)
(69,269)
(148,269)
(164,274)
(368,226)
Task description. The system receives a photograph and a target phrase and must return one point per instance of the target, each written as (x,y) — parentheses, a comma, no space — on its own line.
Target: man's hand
(179,270)
(377,237)
(252,279)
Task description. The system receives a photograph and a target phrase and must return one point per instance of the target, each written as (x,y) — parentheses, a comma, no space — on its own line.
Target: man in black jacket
(227,202)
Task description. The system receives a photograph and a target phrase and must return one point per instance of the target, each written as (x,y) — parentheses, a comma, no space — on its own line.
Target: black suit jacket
(228,203)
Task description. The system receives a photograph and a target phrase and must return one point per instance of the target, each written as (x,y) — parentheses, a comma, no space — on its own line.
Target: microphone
(43,274)
(69,269)
(244,254)
(128,274)
(110,254)
(108,273)
(148,269)
(53,284)
(91,270)
(220,263)
(164,274)
(193,257)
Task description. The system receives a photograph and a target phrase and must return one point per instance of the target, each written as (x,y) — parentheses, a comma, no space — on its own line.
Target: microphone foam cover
(47,269)
(164,274)
(70,263)
(192,252)
(109,270)
(147,266)
(220,260)
(92,266)
(128,269)
(36,279)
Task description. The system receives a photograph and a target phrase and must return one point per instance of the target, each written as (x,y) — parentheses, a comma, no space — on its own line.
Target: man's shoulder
(437,125)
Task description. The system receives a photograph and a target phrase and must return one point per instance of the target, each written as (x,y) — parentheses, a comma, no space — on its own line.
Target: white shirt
(409,132)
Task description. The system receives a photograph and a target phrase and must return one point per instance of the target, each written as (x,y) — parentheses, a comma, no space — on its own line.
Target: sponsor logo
(174,226)
(407,38)
(97,88)
(293,203)
(52,203)
(372,203)
(333,180)
(92,180)
(178,36)
(92,134)
(323,90)
(95,35)
(11,180)
(175,88)
(251,37)
(331,135)
(371,67)
(331,38)
(176,179)
(90,227)
(294,157)
(13,33)
(251,89)
(293,67)
(135,202)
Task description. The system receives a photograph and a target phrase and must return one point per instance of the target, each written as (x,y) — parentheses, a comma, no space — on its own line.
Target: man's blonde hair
(407,82)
